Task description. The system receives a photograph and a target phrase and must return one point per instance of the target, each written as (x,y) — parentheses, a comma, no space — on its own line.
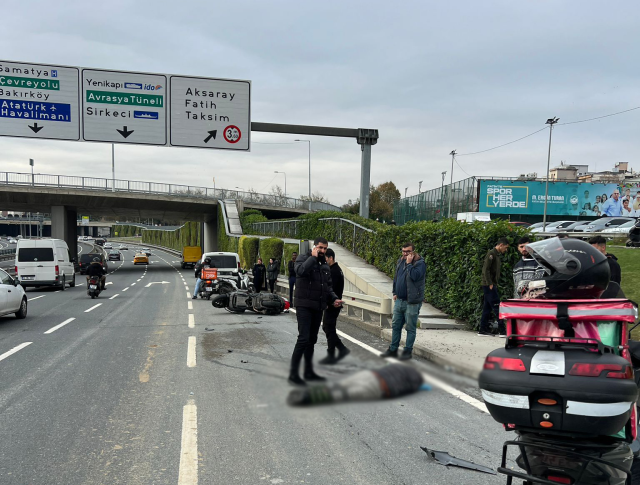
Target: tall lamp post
(442,192)
(113,167)
(453,157)
(309,142)
(31,162)
(419,186)
(285,181)
(550,122)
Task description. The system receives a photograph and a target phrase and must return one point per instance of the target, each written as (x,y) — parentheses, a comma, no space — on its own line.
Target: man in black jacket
(96,269)
(314,292)
(331,314)
(291,268)
(259,274)
(600,243)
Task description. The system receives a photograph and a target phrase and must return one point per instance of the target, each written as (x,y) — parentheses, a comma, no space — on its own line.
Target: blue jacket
(409,280)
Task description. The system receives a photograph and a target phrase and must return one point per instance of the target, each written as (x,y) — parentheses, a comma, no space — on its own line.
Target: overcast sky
(430,76)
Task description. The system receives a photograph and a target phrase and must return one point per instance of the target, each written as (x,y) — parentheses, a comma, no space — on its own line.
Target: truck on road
(190,256)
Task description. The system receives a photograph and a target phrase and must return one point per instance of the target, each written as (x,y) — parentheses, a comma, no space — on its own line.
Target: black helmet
(207,261)
(573,269)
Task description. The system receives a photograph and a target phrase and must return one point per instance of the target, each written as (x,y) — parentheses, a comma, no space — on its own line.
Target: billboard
(565,198)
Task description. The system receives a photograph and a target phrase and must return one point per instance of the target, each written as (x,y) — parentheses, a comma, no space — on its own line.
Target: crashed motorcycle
(564,382)
(93,287)
(240,301)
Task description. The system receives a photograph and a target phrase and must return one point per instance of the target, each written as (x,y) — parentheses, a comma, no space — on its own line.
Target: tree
(315,197)
(277,191)
(381,199)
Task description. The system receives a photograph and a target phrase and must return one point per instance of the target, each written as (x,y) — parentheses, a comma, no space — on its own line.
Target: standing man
(490,278)
(408,293)
(525,270)
(600,243)
(330,319)
(259,274)
(198,272)
(613,206)
(291,268)
(314,292)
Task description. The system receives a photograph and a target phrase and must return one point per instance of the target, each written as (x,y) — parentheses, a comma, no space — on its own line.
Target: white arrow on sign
(157,283)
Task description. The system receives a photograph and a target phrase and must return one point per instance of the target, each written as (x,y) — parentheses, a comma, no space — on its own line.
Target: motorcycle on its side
(239,301)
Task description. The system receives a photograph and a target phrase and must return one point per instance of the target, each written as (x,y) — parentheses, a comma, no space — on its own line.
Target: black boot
(389,353)
(406,354)
(309,375)
(342,353)
(295,380)
(330,358)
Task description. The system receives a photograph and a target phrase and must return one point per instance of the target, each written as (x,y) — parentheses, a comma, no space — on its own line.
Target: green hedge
(248,251)
(454,252)
(271,248)
(250,216)
(289,249)
(126,230)
(187,235)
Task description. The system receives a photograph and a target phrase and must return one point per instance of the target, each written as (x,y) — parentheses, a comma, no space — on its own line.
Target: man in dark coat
(272,273)
(314,292)
(331,314)
(600,243)
(490,278)
(291,269)
(259,274)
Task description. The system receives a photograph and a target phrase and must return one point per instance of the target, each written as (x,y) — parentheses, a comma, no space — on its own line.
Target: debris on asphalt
(209,329)
(244,361)
(228,350)
(388,382)
(446,459)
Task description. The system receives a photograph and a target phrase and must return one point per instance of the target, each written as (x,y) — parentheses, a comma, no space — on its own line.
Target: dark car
(114,255)
(520,223)
(603,223)
(87,259)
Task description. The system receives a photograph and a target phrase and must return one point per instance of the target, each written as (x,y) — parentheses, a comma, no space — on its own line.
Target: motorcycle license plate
(208,288)
(93,287)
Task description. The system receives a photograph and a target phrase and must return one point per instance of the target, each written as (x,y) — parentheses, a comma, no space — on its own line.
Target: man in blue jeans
(408,293)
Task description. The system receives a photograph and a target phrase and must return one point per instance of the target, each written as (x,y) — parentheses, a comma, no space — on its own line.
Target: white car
(12,297)
(13,241)
(551,226)
(108,246)
(621,229)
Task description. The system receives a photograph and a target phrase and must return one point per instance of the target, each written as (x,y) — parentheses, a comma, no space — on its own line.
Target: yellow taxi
(141,258)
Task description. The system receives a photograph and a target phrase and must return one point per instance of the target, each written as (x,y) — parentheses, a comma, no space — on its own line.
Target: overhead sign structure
(39,101)
(124,107)
(210,113)
(96,105)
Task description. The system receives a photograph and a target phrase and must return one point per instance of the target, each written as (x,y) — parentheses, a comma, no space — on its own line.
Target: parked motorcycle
(634,235)
(93,288)
(239,301)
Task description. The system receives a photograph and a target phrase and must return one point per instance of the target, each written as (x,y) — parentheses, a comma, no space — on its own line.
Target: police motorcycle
(564,382)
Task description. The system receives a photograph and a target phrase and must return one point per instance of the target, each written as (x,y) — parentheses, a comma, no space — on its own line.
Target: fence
(136,186)
(434,204)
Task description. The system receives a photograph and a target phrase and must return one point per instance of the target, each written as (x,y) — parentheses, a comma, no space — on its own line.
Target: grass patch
(629,260)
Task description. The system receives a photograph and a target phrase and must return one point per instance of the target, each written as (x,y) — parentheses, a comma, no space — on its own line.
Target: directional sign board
(39,101)
(97,105)
(124,107)
(210,113)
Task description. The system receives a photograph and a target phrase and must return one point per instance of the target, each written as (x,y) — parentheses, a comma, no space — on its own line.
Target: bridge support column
(64,225)
(210,236)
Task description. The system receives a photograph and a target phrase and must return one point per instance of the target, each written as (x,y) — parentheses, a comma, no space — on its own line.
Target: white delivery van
(44,262)
(228,264)
(470,217)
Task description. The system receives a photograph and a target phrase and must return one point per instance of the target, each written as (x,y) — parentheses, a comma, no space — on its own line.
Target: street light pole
(442,193)
(419,186)
(453,157)
(31,162)
(309,142)
(550,122)
(113,167)
(285,181)
(405,192)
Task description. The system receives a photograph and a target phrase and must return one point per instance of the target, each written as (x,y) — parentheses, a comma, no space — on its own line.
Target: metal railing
(345,232)
(136,186)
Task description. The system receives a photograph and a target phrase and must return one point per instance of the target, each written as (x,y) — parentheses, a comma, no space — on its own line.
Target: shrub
(250,216)
(248,251)
(289,249)
(271,248)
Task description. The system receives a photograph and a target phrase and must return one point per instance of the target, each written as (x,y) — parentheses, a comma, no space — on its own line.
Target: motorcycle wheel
(93,296)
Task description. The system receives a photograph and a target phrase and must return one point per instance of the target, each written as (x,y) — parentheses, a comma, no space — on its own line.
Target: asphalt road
(150,387)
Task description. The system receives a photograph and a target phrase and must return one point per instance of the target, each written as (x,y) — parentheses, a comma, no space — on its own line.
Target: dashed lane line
(192,320)
(93,308)
(191,352)
(114,296)
(36,297)
(14,350)
(125,289)
(188,471)
(53,329)
(189,305)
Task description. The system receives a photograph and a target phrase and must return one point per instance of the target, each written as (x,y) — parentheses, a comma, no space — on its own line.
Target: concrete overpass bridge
(66,197)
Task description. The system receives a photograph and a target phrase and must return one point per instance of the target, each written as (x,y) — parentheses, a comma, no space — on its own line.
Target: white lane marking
(192,320)
(93,308)
(430,379)
(36,297)
(188,474)
(133,284)
(126,289)
(14,350)
(109,283)
(188,295)
(190,305)
(191,352)
(138,279)
(114,296)
(53,329)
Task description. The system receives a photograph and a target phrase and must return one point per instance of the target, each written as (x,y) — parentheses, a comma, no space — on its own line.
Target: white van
(228,264)
(44,262)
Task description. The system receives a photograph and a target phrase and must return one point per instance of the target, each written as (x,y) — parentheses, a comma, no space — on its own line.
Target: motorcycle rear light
(546,424)
(594,370)
(502,363)
(208,282)
(559,479)
(548,402)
